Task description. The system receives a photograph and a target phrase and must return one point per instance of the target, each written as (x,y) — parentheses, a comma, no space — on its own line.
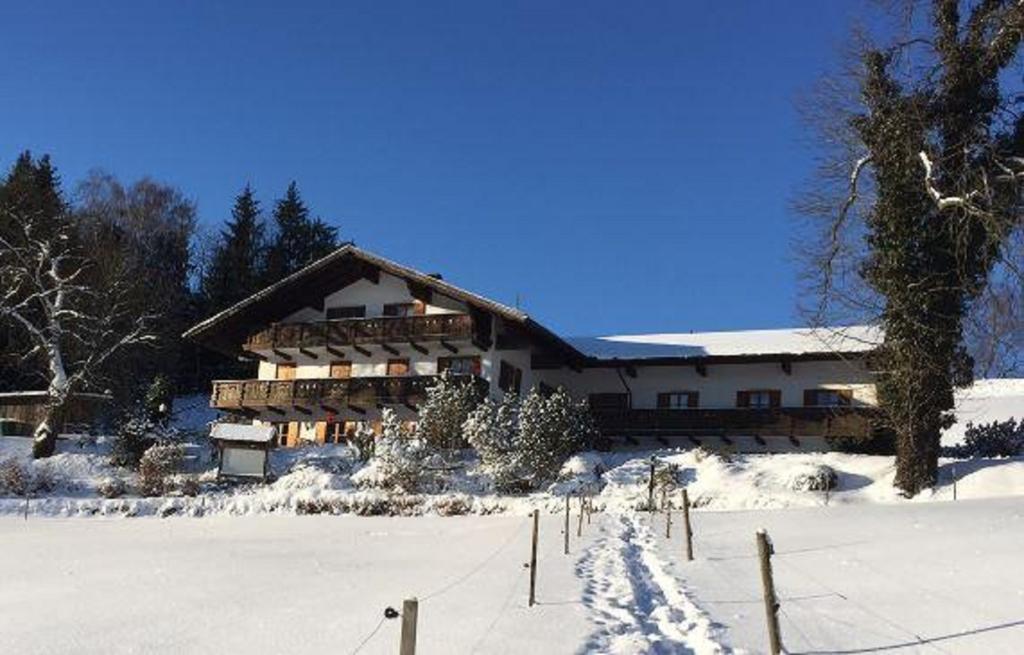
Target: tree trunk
(44,441)
(916,461)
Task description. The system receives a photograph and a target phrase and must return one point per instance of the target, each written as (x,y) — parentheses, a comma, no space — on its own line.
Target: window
(759,398)
(348,311)
(459,365)
(415,308)
(285,371)
(341,370)
(677,399)
(827,397)
(398,367)
(510,378)
(609,401)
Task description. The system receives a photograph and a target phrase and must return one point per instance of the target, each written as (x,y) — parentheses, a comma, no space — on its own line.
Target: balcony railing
(329,392)
(364,331)
(780,421)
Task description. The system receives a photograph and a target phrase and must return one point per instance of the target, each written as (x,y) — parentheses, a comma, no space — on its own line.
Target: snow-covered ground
(932,577)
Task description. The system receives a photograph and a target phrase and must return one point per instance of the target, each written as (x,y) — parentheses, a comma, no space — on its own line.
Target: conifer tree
(298,239)
(236,268)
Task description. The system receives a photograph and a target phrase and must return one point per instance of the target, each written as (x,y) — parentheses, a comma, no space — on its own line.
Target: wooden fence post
(590,508)
(410,609)
(687,528)
(533,559)
(954,483)
(771,602)
(650,488)
(579,526)
(566,524)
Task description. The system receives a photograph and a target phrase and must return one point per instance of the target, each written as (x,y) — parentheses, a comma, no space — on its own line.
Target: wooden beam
(726,439)
(303,410)
(760,441)
(787,367)
(391,349)
(694,440)
(308,353)
(362,351)
(410,405)
(417,347)
(449,347)
(357,409)
(337,353)
(275,410)
(248,354)
(793,440)
(663,441)
(328,408)
(283,355)
(702,370)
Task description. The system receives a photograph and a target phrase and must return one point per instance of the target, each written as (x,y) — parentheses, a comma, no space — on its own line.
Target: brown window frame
(774,398)
(510,377)
(396,360)
(812,397)
(444,364)
(414,308)
(288,366)
(345,311)
(339,363)
(665,399)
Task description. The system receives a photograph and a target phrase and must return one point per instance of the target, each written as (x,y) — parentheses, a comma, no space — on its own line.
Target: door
(341,370)
(293,434)
(321,432)
(398,367)
(286,371)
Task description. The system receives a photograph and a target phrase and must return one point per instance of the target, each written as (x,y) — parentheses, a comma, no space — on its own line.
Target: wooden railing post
(533,558)
(687,528)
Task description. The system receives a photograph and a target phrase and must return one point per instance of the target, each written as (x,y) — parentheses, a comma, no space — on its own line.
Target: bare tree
(74,318)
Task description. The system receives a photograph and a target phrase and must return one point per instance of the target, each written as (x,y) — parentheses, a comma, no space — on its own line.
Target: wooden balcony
(328,394)
(780,421)
(356,332)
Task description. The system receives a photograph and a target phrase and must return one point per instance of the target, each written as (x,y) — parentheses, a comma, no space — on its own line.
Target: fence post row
(579,526)
(410,610)
(533,559)
(771,602)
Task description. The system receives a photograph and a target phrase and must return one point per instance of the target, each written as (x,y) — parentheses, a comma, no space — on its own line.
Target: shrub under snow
(447,406)
(522,444)
(156,467)
(397,462)
(814,477)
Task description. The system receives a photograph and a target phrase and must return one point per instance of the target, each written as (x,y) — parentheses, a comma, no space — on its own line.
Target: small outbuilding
(244,449)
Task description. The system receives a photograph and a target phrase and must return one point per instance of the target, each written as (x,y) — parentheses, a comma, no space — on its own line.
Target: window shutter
(663,400)
(692,400)
(810,397)
(743,399)
(775,398)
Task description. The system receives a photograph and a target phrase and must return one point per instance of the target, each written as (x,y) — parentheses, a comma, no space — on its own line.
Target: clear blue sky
(620,167)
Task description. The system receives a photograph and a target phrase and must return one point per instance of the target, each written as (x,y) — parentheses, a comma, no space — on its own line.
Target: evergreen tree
(235,271)
(298,239)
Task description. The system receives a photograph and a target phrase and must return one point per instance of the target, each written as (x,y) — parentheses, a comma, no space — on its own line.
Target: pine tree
(298,239)
(236,267)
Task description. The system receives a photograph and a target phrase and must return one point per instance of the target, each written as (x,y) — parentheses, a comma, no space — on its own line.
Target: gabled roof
(738,346)
(226,330)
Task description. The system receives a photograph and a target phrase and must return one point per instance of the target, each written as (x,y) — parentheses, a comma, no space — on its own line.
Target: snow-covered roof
(798,342)
(239,432)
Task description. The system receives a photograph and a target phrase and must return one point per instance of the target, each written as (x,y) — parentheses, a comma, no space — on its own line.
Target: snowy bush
(363,442)
(397,462)
(156,467)
(15,477)
(112,487)
(667,477)
(522,444)
(189,486)
(43,478)
(814,477)
(442,415)
(134,437)
(996,439)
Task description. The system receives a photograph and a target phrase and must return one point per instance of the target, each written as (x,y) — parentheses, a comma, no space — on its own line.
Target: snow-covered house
(353,333)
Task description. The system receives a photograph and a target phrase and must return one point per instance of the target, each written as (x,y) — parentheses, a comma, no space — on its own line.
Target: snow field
(910,578)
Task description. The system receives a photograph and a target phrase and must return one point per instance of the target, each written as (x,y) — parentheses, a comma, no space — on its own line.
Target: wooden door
(398,367)
(321,432)
(286,371)
(293,434)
